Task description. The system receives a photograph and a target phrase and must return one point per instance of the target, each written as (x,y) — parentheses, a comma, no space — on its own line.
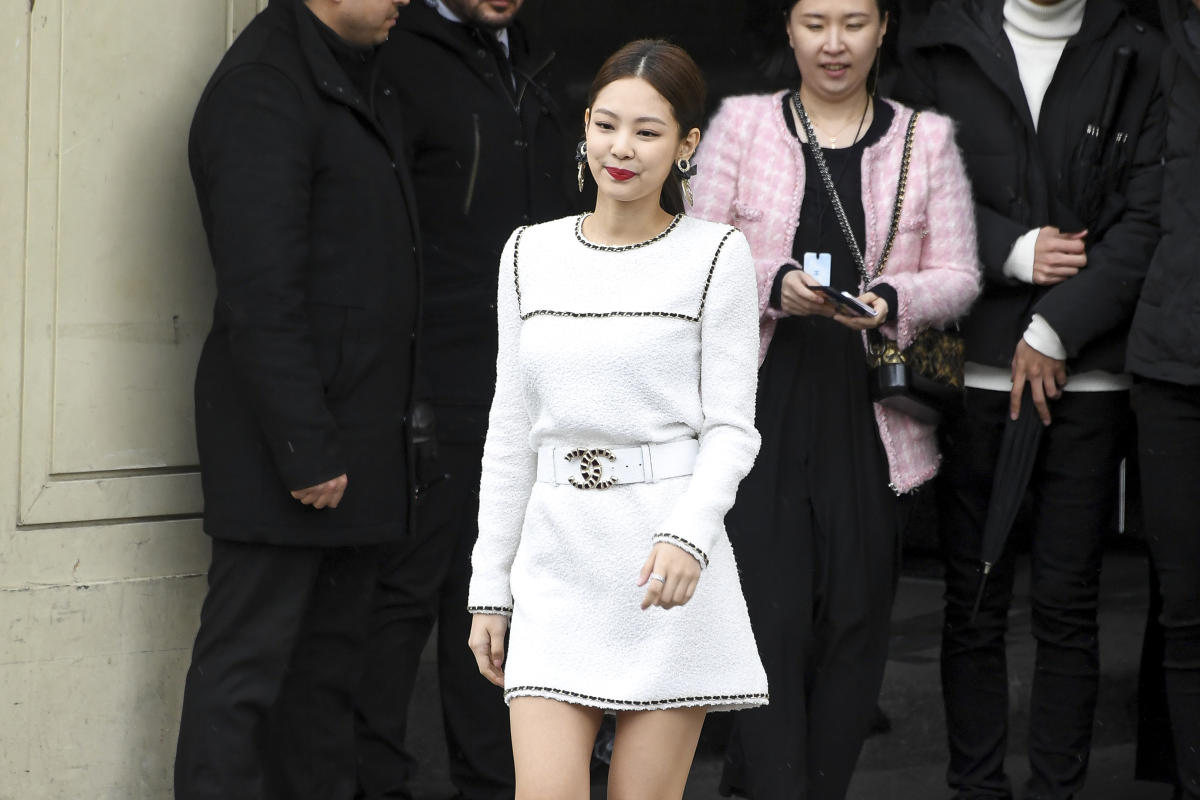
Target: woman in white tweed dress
(622,423)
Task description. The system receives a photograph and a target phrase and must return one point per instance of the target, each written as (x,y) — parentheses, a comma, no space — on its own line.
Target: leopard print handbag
(924,380)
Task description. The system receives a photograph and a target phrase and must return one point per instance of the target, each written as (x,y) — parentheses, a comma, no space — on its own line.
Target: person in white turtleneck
(1025,80)
(1038,32)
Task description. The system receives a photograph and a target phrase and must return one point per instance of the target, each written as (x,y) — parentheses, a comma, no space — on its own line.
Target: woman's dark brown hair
(674,75)
(786,7)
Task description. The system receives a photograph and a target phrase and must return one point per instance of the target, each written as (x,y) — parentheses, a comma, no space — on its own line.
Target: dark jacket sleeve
(1103,295)
(995,230)
(997,234)
(255,178)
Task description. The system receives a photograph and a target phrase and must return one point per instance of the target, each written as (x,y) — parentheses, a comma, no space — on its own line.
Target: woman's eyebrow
(637,121)
(850,15)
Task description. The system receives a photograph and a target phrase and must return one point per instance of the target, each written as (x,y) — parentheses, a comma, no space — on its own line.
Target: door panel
(118,287)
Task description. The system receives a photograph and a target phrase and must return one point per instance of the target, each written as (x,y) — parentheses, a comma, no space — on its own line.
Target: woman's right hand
(487,643)
(797,299)
(1058,256)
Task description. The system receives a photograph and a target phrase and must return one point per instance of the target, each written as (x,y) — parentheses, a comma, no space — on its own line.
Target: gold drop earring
(686,171)
(581,161)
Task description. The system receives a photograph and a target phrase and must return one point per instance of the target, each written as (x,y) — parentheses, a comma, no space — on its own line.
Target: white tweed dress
(614,347)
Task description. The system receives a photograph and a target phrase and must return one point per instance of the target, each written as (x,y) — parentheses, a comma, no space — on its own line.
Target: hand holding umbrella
(1058,256)
(1036,378)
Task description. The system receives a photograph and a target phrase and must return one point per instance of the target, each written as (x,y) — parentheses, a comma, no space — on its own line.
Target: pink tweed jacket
(751,174)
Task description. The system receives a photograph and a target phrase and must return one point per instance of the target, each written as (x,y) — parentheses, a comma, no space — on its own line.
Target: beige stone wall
(105,296)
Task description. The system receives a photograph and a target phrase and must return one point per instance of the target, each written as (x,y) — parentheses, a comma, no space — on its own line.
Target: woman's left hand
(866,323)
(675,575)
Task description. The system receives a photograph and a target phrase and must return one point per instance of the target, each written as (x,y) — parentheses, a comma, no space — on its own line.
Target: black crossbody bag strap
(836,201)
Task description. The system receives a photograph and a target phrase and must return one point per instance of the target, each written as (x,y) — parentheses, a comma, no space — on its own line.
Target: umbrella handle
(1122,61)
(987,567)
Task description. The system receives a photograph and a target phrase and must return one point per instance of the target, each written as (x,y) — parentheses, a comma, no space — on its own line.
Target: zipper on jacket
(474,166)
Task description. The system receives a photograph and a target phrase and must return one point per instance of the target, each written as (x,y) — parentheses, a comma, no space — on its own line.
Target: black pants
(1168,418)
(1073,489)
(268,705)
(821,602)
(426,582)
(815,530)
(1155,760)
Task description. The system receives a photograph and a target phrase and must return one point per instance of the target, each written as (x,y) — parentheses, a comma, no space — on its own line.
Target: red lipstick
(620,174)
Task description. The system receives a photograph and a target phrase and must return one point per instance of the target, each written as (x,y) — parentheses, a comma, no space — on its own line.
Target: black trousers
(1155,759)
(268,704)
(423,583)
(816,533)
(1168,418)
(1073,503)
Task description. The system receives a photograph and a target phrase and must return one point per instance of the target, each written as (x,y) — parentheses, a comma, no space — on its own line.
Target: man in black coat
(1067,222)
(488,154)
(297,157)
(1164,355)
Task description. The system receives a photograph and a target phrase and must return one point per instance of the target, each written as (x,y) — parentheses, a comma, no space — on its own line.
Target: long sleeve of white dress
(509,463)
(728,378)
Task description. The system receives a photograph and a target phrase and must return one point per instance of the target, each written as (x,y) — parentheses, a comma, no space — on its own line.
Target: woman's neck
(838,109)
(1045,20)
(834,122)
(615,223)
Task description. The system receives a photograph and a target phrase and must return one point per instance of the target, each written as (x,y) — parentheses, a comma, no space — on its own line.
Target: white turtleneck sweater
(1038,34)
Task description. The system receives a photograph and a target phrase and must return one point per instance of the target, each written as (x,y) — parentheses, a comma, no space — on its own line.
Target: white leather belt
(603,467)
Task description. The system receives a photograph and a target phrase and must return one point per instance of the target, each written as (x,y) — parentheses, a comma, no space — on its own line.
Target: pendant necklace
(833,139)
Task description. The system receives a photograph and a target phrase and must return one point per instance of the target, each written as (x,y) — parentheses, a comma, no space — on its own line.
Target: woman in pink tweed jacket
(751,174)
(817,521)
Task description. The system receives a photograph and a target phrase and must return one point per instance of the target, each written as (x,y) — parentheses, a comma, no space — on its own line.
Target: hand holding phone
(844,302)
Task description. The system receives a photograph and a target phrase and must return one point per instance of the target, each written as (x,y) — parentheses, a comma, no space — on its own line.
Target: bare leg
(552,748)
(653,752)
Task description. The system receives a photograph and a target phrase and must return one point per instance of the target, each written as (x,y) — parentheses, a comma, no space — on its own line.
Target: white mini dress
(604,347)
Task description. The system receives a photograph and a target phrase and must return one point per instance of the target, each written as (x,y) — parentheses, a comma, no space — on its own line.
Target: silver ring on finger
(654,576)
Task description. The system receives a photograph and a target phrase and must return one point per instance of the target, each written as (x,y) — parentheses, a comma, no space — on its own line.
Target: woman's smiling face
(633,140)
(835,42)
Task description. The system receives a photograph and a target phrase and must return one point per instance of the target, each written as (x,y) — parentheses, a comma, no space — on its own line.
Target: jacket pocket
(745,213)
(328,324)
(916,223)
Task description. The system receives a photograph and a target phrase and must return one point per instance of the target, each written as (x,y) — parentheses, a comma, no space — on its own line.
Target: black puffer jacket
(959,61)
(307,372)
(1164,342)
(486,158)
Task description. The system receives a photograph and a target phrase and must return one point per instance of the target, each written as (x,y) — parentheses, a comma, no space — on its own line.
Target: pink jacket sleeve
(947,278)
(721,164)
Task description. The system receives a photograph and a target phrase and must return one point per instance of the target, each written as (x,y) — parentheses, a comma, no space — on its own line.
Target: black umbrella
(1014,466)
(1091,175)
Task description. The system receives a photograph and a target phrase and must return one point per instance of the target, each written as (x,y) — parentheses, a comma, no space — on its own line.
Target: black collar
(357,61)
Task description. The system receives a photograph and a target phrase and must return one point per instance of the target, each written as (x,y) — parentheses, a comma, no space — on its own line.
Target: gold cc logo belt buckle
(591,470)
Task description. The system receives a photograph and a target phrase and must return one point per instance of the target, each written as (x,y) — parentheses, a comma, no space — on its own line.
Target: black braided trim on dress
(712,267)
(489,610)
(672,702)
(682,544)
(621,248)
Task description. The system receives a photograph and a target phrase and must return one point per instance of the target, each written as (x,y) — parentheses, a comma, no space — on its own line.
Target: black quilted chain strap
(827,179)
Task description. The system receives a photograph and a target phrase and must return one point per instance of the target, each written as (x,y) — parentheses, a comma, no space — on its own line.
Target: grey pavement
(909,761)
